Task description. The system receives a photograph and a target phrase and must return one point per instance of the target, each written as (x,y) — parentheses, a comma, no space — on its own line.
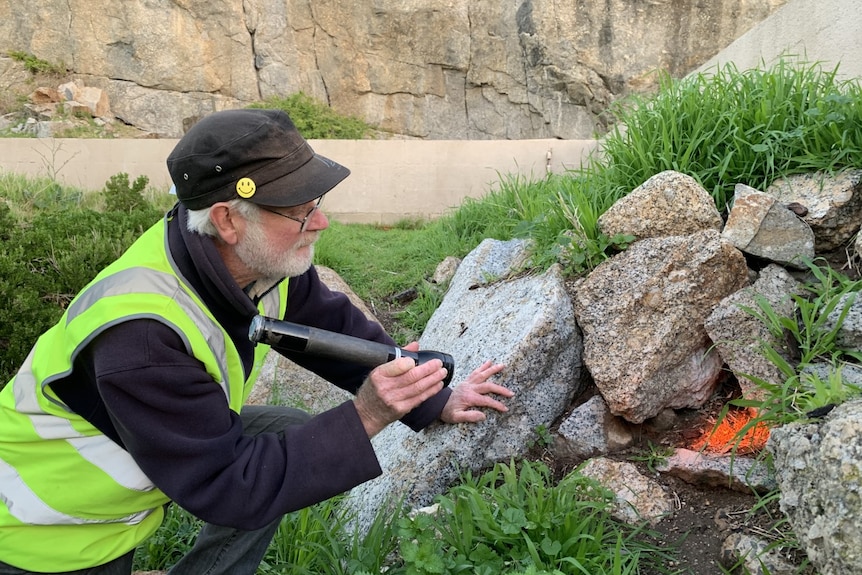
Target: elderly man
(135,398)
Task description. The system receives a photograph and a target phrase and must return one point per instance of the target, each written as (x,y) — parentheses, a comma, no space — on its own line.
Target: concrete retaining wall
(390,180)
(826,31)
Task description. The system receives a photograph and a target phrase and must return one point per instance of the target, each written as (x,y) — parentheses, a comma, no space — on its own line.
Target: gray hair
(200,223)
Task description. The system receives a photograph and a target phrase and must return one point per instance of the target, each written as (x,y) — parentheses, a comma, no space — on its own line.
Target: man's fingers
(488,387)
(485,371)
(470,416)
(487,401)
(400,382)
(425,387)
(394,389)
(396,367)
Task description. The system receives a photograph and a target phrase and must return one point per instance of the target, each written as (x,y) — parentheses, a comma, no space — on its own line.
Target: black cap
(256,155)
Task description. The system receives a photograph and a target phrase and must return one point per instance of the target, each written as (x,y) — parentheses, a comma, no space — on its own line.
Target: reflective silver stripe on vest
(144,280)
(139,280)
(99,450)
(102,452)
(24,387)
(26,507)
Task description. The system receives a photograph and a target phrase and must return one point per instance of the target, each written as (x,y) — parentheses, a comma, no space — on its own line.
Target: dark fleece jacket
(139,386)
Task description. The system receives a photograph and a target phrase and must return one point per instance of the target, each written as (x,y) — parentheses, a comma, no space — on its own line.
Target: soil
(704,516)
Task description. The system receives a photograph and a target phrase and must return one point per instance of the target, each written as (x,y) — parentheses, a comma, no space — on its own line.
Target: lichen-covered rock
(818,467)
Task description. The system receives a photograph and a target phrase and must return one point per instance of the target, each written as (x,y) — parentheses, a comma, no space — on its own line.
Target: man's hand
(475,392)
(393,389)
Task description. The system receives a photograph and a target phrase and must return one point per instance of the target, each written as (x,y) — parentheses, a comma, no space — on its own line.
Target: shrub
(45,261)
(36,65)
(316,120)
(121,197)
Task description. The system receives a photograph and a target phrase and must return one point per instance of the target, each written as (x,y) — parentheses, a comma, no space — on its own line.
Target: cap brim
(310,181)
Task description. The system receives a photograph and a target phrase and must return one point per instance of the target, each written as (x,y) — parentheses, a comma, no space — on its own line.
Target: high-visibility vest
(71,498)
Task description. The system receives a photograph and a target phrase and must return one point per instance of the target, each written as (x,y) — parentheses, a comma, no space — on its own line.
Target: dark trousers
(217,550)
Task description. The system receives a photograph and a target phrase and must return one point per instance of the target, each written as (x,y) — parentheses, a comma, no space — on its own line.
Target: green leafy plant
(819,314)
(36,65)
(543,437)
(817,393)
(579,253)
(512,519)
(654,455)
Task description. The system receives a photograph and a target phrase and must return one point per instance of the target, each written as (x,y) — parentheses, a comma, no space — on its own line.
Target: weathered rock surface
(638,498)
(755,554)
(760,225)
(846,319)
(818,466)
(832,204)
(457,70)
(738,334)
(526,323)
(590,430)
(739,473)
(642,313)
(644,213)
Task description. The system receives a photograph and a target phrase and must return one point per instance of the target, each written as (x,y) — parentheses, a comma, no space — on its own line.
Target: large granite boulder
(642,313)
(523,321)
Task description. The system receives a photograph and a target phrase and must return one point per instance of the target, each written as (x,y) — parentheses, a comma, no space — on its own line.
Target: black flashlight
(293,337)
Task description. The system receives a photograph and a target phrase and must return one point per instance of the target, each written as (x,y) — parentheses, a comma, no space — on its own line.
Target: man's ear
(228,223)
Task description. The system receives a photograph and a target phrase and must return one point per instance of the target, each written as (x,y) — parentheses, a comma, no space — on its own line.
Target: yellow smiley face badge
(245,187)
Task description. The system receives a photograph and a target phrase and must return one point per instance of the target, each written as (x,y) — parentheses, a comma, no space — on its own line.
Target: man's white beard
(270,261)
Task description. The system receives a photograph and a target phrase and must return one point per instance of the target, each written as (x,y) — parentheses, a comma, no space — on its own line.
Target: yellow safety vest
(71,498)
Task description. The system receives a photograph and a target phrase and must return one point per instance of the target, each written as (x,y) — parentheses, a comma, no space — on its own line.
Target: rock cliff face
(422,68)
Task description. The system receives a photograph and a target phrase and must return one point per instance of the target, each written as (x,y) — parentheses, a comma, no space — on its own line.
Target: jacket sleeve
(310,302)
(175,422)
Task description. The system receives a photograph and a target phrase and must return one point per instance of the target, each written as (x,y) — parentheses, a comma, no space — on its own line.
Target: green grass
(723,127)
(509,520)
(828,295)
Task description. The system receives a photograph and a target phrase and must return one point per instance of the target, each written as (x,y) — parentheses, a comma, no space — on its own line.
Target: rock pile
(58,111)
(655,329)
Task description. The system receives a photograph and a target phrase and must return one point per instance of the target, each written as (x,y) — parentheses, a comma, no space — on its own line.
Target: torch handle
(288,336)
(293,337)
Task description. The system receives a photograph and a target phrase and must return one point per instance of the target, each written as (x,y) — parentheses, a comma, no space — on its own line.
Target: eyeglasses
(303,223)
